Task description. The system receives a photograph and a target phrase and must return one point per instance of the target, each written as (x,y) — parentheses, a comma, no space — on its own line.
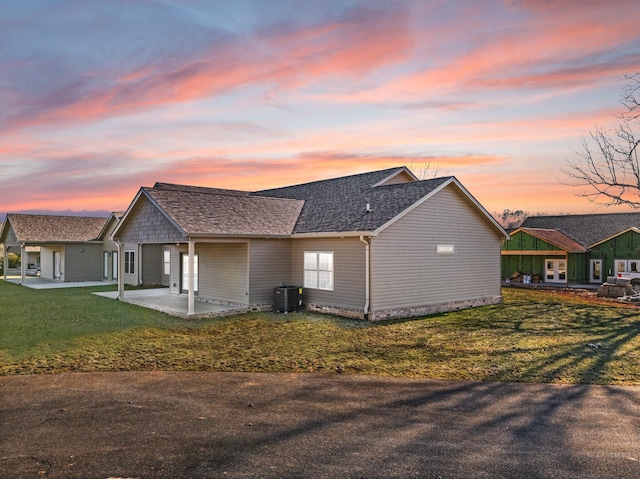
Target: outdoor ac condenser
(287,298)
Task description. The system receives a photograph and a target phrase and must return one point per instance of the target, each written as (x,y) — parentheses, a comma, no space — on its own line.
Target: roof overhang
(333,234)
(228,236)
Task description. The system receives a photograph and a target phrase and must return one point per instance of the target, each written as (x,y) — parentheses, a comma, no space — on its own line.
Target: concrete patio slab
(160,299)
(40,283)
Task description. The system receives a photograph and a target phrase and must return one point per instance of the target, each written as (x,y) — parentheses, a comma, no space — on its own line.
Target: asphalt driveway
(232,425)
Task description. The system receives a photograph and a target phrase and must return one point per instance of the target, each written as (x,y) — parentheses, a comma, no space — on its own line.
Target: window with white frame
(445,249)
(318,270)
(129,262)
(167,262)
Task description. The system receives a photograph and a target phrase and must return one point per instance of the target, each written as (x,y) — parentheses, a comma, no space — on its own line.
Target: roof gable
(367,202)
(201,211)
(632,229)
(402,175)
(54,229)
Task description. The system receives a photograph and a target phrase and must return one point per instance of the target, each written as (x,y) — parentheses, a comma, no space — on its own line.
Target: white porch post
(23,262)
(191,308)
(5,265)
(120,271)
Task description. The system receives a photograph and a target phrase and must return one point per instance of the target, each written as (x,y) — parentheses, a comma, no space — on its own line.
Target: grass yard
(534,337)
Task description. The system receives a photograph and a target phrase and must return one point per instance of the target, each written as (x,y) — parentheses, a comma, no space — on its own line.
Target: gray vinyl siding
(174,282)
(270,267)
(152,264)
(222,272)
(82,262)
(348,275)
(11,239)
(148,225)
(107,243)
(406,271)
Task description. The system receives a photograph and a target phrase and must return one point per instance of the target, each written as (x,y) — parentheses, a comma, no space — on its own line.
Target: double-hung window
(129,262)
(318,270)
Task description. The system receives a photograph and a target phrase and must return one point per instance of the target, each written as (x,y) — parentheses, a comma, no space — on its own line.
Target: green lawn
(534,336)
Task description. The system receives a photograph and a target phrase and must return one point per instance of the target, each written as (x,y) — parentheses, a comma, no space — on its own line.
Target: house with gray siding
(375,245)
(61,248)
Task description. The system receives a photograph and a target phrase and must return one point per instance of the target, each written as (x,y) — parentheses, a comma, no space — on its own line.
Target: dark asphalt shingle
(586,229)
(201,211)
(340,204)
(52,229)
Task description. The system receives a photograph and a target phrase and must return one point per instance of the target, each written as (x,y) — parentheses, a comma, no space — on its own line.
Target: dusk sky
(98,98)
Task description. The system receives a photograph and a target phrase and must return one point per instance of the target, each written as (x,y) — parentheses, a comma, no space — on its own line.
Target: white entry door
(57,267)
(595,271)
(556,270)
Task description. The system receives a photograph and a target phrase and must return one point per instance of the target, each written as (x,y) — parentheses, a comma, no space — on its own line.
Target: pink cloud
(358,43)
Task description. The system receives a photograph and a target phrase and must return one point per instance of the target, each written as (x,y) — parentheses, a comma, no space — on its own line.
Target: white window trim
(166,263)
(129,265)
(317,271)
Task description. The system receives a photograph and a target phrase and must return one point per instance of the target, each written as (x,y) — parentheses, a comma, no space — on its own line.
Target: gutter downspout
(191,308)
(366,278)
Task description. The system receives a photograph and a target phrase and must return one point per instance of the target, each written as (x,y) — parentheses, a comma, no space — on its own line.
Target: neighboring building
(574,249)
(375,245)
(61,248)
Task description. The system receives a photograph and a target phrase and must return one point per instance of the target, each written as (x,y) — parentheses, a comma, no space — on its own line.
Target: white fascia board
(231,236)
(112,217)
(333,234)
(633,228)
(452,180)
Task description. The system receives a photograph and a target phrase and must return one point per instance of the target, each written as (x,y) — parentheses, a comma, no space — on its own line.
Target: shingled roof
(358,203)
(212,211)
(36,229)
(340,204)
(556,238)
(586,229)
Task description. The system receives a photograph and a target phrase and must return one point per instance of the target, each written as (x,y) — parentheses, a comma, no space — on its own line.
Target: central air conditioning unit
(287,298)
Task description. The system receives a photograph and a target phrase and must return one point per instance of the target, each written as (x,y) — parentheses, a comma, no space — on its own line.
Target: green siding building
(574,249)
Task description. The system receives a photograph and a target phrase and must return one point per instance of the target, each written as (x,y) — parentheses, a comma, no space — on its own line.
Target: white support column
(23,263)
(191,308)
(5,265)
(120,271)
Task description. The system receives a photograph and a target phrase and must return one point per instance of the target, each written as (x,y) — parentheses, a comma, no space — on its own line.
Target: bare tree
(607,163)
(511,218)
(425,171)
